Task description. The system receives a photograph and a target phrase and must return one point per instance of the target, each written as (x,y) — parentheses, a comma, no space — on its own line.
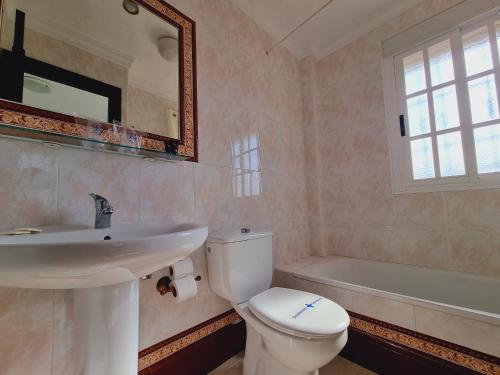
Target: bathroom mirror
(116,73)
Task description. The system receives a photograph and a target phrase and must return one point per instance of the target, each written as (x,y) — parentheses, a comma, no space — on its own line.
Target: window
(444,116)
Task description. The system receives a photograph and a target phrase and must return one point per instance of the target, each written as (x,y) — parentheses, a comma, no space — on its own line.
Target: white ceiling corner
(337,25)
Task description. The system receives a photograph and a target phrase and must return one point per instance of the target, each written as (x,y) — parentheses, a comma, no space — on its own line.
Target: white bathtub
(467,295)
(456,307)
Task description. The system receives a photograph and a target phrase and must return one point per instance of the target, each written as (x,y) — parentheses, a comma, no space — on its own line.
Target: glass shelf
(25,134)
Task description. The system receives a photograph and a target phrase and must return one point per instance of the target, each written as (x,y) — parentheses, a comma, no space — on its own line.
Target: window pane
(483,99)
(488,148)
(451,156)
(441,63)
(414,72)
(446,108)
(477,51)
(422,159)
(418,115)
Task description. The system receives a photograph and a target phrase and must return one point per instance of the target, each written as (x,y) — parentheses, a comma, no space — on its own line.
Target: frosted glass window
(483,99)
(451,154)
(487,141)
(441,63)
(422,159)
(477,51)
(418,115)
(414,72)
(446,108)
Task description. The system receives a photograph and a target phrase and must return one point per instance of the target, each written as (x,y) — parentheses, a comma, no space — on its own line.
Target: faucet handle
(107,208)
(102,203)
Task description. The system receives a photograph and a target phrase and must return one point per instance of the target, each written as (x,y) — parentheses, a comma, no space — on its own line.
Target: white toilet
(289,332)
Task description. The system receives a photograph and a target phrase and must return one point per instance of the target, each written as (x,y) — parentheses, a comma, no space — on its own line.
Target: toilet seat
(299,313)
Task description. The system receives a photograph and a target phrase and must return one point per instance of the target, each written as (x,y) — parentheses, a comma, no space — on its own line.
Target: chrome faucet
(103,212)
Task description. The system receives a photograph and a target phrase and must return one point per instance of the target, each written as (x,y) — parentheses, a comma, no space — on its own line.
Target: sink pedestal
(107,321)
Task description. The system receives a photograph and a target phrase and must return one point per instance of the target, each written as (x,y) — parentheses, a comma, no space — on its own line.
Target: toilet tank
(240,265)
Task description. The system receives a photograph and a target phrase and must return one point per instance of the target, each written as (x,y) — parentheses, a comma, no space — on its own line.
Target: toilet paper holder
(163,285)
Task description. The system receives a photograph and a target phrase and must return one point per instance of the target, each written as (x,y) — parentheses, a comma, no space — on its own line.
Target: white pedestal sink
(103,266)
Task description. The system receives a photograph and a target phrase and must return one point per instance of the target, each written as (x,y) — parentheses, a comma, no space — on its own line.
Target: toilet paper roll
(180,269)
(184,288)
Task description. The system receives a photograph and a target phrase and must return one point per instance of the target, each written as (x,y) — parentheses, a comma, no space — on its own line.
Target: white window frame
(399,151)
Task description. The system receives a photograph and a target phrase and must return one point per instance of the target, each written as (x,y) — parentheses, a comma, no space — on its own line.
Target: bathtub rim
(465,312)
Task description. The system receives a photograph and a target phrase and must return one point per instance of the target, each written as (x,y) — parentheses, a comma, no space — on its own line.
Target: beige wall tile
(467,332)
(473,209)
(28,192)
(26,331)
(213,196)
(476,251)
(167,191)
(214,127)
(83,172)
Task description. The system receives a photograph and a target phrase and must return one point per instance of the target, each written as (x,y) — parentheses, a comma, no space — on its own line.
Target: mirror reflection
(108,61)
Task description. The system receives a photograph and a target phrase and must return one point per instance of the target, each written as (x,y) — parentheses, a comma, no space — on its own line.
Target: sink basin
(73,257)
(103,267)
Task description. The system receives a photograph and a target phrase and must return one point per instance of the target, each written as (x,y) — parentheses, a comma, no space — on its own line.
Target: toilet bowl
(288,331)
(281,351)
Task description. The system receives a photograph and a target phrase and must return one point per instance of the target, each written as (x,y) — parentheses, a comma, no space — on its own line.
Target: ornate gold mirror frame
(19,120)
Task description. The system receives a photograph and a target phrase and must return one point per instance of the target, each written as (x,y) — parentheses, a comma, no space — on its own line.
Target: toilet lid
(299,313)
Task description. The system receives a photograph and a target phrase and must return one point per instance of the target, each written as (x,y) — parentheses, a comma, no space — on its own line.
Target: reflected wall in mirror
(123,67)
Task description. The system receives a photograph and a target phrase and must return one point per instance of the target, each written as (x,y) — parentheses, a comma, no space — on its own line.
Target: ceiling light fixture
(168,46)
(36,85)
(131,7)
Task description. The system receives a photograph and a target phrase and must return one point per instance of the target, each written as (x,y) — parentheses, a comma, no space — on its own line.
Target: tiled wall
(360,217)
(241,91)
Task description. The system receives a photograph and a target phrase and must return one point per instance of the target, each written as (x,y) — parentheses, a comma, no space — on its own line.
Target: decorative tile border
(98,132)
(467,358)
(476,361)
(164,350)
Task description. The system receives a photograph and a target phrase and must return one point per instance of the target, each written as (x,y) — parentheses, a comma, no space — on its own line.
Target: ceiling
(337,25)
